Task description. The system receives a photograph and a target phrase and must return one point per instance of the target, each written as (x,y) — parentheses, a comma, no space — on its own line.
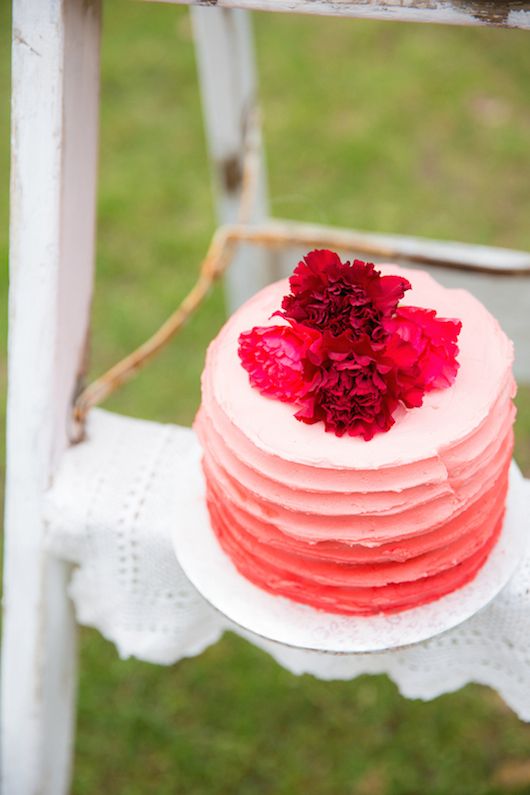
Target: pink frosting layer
(351,526)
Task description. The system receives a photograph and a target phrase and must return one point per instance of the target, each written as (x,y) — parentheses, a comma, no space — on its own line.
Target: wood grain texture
(54,153)
(493,13)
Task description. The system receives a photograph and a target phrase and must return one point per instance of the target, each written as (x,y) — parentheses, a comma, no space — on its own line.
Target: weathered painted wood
(280,234)
(54,153)
(225,58)
(495,13)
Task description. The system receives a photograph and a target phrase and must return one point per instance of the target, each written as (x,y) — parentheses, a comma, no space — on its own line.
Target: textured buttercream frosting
(347,525)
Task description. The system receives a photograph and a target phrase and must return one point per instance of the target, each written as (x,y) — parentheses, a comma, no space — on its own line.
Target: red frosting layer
(354,599)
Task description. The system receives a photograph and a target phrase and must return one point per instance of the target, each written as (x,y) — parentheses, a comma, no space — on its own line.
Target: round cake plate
(281,620)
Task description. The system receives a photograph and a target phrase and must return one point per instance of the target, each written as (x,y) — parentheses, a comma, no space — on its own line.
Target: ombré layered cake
(357,441)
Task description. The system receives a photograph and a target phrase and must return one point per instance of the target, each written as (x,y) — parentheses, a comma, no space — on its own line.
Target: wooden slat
(493,13)
(227,76)
(53,186)
(444,254)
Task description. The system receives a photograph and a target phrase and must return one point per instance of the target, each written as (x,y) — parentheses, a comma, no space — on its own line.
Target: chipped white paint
(514,14)
(225,58)
(54,152)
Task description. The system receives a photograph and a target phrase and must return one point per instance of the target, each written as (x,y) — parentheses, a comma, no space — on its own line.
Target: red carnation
(338,296)
(275,358)
(423,348)
(354,391)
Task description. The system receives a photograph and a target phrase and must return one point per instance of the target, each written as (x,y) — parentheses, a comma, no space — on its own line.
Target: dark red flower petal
(352,393)
(337,296)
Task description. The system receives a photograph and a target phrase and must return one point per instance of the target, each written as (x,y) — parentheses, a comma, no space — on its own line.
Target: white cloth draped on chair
(111,512)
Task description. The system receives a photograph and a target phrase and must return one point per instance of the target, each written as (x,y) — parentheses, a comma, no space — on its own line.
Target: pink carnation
(423,348)
(275,357)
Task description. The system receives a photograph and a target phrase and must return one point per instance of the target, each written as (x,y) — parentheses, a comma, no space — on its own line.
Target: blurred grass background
(397,128)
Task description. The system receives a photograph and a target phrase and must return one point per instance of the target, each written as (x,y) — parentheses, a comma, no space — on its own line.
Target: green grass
(396,128)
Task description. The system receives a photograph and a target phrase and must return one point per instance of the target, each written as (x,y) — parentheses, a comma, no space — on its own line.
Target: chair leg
(225,57)
(54,156)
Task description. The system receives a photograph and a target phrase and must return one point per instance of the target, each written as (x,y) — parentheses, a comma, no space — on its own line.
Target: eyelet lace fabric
(111,511)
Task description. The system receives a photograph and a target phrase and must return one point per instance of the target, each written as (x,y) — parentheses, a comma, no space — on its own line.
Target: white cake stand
(281,620)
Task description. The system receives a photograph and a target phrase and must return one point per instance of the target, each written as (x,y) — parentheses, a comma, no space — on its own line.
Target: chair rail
(490,13)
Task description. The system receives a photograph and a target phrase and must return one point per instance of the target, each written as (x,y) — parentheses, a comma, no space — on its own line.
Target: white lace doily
(112,510)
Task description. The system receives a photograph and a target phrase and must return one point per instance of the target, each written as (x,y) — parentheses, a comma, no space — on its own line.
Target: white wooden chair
(54,154)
